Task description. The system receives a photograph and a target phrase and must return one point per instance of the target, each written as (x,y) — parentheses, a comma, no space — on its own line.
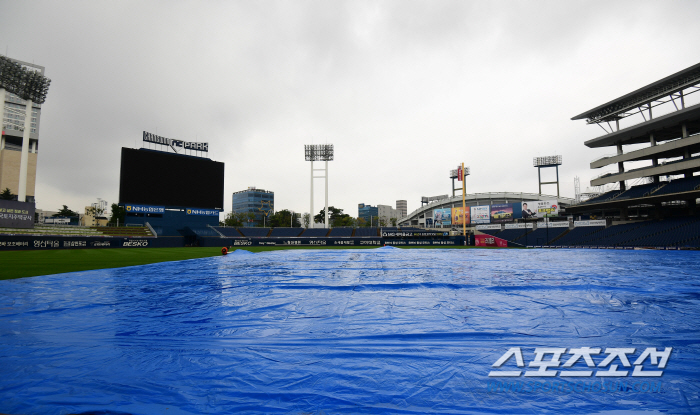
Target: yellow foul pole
(464,207)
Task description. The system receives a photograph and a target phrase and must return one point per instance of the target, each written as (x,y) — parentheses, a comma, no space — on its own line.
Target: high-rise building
(402,208)
(368,213)
(257,201)
(386,213)
(14,110)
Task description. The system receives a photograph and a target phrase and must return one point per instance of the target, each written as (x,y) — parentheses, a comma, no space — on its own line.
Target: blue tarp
(381,330)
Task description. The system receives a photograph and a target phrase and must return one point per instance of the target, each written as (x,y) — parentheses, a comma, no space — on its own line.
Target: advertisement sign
(480,214)
(57,221)
(553,224)
(501,213)
(459,173)
(202,212)
(459,217)
(519,225)
(488,240)
(540,209)
(442,217)
(484,227)
(589,223)
(14,214)
(174,144)
(144,209)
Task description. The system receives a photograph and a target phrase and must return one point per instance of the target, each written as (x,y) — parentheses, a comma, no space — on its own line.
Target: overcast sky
(405,90)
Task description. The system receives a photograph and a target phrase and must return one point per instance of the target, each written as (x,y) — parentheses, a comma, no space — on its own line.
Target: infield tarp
(381,330)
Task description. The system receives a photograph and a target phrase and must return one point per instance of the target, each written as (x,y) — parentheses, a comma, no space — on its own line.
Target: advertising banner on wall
(144,209)
(488,240)
(480,214)
(458,216)
(14,214)
(202,212)
(502,213)
(442,217)
(540,209)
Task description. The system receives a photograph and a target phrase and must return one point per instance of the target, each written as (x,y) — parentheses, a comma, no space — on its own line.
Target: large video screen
(151,177)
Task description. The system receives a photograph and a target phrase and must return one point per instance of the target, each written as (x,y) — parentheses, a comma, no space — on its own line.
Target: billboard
(442,217)
(156,178)
(539,209)
(480,214)
(458,216)
(14,214)
(488,240)
(502,213)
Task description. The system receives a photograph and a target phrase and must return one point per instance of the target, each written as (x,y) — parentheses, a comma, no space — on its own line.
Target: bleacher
(166,231)
(53,230)
(542,236)
(668,232)
(612,235)
(254,232)
(679,186)
(341,232)
(286,232)
(602,198)
(509,234)
(123,231)
(315,232)
(491,232)
(203,231)
(639,191)
(576,235)
(229,232)
(366,232)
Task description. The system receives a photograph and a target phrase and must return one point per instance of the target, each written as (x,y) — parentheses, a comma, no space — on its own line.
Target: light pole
(32,87)
(319,152)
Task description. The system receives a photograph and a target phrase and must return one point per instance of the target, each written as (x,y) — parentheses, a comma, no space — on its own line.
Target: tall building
(368,212)
(14,110)
(258,201)
(402,208)
(386,213)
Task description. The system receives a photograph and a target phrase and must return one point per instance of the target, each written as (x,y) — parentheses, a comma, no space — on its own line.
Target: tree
(307,220)
(65,212)
(233,219)
(393,221)
(94,211)
(283,219)
(336,217)
(118,213)
(361,222)
(382,221)
(7,194)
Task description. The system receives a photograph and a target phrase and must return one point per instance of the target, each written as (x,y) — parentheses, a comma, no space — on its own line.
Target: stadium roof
(659,89)
(666,127)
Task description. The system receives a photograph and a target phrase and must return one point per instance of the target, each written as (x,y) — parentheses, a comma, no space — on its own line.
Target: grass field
(20,264)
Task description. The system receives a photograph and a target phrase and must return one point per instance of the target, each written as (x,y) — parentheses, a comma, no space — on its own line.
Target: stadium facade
(13,120)
(657,151)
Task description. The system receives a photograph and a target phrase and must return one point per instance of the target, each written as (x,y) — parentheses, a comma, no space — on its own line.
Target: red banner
(488,240)
(459,173)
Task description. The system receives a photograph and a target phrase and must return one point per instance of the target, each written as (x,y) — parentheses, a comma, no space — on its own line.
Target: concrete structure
(257,201)
(418,216)
(402,208)
(14,124)
(386,213)
(90,219)
(673,140)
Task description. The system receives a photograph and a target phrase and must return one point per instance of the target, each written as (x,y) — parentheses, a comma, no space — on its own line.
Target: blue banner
(144,209)
(203,212)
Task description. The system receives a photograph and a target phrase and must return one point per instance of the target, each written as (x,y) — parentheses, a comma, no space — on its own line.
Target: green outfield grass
(19,264)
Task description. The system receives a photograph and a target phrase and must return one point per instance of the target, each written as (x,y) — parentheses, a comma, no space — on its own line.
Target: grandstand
(657,115)
(70,230)
(341,232)
(286,232)
(316,232)
(254,232)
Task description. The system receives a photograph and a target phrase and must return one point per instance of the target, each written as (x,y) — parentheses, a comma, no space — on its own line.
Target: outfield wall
(299,241)
(15,243)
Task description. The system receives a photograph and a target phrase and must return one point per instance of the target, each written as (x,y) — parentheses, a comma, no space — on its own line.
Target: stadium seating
(541,236)
(576,235)
(491,232)
(163,231)
(639,191)
(341,232)
(508,234)
(612,235)
(229,232)
(315,232)
(202,231)
(602,198)
(286,232)
(254,232)
(680,185)
(366,232)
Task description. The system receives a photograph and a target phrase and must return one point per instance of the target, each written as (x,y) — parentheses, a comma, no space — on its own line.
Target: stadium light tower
(547,161)
(319,152)
(32,87)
